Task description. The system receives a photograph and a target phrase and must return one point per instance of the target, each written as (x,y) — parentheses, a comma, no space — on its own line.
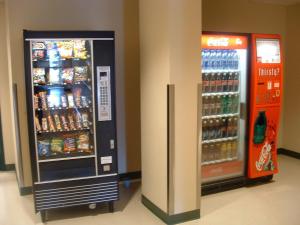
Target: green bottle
(260,128)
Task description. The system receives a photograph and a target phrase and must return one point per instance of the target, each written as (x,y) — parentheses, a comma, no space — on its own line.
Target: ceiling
(280,2)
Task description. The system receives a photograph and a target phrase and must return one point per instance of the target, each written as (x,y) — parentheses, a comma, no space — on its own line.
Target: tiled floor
(276,203)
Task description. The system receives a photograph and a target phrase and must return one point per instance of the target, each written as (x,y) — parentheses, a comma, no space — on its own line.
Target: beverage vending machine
(70,86)
(230,69)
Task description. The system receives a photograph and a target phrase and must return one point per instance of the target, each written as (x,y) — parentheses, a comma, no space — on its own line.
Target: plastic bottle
(211,155)
(229,104)
(213,59)
(230,82)
(212,106)
(218,59)
(203,59)
(236,60)
(205,130)
(218,130)
(235,124)
(224,104)
(224,82)
(229,149)
(260,128)
(219,82)
(223,128)
(205,108)
(236,82)
(224,59)
(229,127)
(212,133)
(235,103)
(212,82)
(205,152)
(217,151)
(205,82)
(218,105)
(223,150)
(234,149)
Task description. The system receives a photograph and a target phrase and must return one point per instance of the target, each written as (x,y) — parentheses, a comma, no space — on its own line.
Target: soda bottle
(229,149)
(212,133)
(235,103)
(229,103)
(212,106)
(224,82)
(260,128)
(230,82)
(219,82)
(217,151)
(229,127)
(205,152)
(223,127)
(205,106)
(205,131)
(213,59)
(224,59)
(205,82)
(236,60)
(223,150)
(212,82)
(219,59)
(235,126)
(218,105)
(205,59)
(224,104)
(230,61)
(218,131)
(236,82)
(211,155)
(234,149)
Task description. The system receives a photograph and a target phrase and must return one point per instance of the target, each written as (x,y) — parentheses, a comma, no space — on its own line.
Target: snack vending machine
(70,83)
(266,92)
(224,103)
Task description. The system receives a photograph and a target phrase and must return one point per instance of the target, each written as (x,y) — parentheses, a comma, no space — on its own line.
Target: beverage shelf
(67,158)
(218,161)
(220,93)
(220,71)
(62,108)
(219,140)
(220,116)
(63,131)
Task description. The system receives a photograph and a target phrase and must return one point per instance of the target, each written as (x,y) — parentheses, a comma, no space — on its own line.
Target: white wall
(73,15)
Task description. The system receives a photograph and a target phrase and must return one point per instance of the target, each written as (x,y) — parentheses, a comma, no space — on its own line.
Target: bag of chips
(71,122)
(57,122)
(69,144)
(42,95)
(64,102)
(79,49)
(65,49)
(54,76)
(77,95)
(51,124)
(57,145)
(80,73)
(64,122)
(84,102)
(68,75)
(70,100)
(85,120)
(36,101)
(44,148)
(37,124)
(44,124)
(39,75)
(78,121)
(83,143)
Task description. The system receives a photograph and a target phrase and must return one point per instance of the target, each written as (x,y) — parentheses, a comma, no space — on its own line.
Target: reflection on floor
(275,203)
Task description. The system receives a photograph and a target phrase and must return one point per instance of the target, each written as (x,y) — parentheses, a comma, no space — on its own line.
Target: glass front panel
(62,99)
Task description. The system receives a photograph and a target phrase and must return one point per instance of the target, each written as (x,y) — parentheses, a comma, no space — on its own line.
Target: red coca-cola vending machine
(241,92)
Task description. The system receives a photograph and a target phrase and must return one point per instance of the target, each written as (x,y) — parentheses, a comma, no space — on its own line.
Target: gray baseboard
(10,167)
(170,219)
(283,151)
(25,191)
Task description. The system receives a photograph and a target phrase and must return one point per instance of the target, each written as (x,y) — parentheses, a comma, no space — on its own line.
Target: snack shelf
(63,108)
(220,71)
(63,84)
(62,131)
(218,161)
(219,140)
(220,93)
(66,158)
(221,116)
(63,59)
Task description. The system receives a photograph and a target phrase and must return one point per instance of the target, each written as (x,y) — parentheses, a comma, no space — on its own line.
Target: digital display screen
(268,50)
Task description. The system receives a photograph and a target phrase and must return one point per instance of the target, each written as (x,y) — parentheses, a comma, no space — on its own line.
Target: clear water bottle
(224,59)
(218,59)
(213,60)
(231,60)
(204,59)
(236,60)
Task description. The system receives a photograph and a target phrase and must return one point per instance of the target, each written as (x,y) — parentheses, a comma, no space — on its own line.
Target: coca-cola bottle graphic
(260,128)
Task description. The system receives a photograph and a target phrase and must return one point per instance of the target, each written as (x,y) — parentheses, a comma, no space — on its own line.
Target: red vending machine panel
(265,103)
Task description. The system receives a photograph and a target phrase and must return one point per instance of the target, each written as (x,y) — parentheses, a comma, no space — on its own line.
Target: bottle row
(59,100)
(220,82)
(217,105)
(65,144)
(219,152)
(58,50)
(219,128)
(61,122)
(220,59)
(43,76)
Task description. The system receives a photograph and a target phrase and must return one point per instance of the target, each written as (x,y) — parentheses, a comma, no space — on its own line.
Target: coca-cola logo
(218,42)
(264,157)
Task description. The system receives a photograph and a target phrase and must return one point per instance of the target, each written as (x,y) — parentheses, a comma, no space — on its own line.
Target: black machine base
(233,183)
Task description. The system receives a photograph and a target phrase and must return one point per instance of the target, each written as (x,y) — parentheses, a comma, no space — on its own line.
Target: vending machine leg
(111,206)
(43,215)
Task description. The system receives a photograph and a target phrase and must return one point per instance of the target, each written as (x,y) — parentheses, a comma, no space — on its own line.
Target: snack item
(57,122)
(85,120)
(53,54)
(57,145)
(38,50)
(68,75)
(83,143)
(38,45)
(65,49)
(39,75)
(80,73)
(54,76)
(77,95)
(42,95)
(44,148)
(36,101)
(79,49)
(49,101)
(69,144)
(78,121)
(64,102)
(84,102)
(70,100)
(51,124)
(44,124)
(37,124)
(64,122)
(71,121)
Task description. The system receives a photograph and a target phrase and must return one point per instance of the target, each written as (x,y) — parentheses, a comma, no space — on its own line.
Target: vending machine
(70,86)
(265,103)
(241,83)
